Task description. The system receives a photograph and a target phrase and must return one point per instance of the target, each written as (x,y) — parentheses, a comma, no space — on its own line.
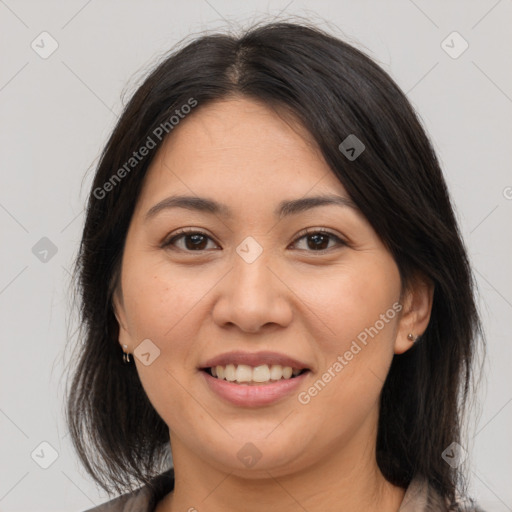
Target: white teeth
(287,372)
(276,371)
(230,373)
(245,373)
(261,373)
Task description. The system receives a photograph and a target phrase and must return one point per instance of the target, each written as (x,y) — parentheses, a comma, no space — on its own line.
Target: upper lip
(253,359)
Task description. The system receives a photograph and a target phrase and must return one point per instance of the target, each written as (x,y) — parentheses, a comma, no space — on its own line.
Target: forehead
(238,148)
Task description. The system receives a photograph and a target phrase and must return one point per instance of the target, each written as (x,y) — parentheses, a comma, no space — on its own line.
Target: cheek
(161,307)
(158,299)
(348,301)
(355,314)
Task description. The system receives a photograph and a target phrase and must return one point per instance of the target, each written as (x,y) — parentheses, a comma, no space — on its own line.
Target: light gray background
(58,112)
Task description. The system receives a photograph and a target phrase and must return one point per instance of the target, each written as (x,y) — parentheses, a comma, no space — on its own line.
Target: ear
(415,316)
(119,312)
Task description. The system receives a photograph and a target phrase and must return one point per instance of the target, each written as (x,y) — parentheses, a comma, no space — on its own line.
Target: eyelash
(307,232)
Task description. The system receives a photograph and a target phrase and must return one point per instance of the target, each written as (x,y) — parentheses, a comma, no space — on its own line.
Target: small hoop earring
(126,357)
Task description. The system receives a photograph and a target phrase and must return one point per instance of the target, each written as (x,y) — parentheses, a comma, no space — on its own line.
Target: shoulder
(138,501)
(141,500)
(420,496)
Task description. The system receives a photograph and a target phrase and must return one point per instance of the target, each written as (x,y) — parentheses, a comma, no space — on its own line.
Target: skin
(195,304)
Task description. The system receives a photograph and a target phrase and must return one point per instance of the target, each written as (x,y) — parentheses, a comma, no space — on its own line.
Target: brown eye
(192,240)
(317,241)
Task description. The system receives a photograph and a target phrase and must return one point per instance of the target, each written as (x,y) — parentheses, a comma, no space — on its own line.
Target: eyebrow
(284,208)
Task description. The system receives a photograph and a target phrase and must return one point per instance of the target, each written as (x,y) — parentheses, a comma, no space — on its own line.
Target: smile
(248,375)
(253,379)
(249,392)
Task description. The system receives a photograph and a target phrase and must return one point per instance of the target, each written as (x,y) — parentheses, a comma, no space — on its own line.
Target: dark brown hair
(333,90)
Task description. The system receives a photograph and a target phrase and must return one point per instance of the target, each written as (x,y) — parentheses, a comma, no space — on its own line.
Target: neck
(348,480)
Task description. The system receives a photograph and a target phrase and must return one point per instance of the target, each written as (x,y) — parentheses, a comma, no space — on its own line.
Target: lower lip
(252,395)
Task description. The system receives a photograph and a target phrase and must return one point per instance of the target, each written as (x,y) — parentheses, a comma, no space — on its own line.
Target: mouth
(247,375)
(254,379)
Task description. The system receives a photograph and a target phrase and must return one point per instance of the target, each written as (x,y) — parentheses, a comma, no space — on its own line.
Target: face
(312,288)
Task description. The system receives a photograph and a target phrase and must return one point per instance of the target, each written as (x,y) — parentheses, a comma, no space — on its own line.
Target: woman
(274,287)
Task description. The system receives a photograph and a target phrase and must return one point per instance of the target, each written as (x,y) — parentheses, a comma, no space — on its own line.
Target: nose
(253,296)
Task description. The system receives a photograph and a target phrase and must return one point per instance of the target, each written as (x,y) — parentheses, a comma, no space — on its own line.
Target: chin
(252,457)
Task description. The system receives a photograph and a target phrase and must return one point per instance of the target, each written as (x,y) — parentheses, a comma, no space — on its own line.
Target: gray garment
(419,497)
